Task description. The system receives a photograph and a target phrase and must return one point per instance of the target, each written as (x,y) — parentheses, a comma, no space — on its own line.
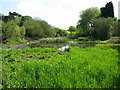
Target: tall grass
(92,67)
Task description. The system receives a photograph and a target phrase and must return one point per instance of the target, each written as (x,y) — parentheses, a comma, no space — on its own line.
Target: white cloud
(119,11)
(9,0)
(59,13)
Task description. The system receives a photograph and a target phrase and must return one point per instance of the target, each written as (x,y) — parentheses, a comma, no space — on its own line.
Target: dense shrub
(101,29)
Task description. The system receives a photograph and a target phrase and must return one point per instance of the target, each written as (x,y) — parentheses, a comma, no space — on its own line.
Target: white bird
(63,48)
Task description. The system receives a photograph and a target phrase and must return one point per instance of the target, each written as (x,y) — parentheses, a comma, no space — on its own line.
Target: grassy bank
(91,67)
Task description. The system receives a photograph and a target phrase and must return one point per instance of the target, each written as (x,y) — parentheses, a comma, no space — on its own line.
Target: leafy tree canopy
(72,29)
(86,17)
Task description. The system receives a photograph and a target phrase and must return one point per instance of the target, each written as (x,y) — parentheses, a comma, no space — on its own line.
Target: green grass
(92,67)
(15,42)
(84,39)
(101,42)
(0,67)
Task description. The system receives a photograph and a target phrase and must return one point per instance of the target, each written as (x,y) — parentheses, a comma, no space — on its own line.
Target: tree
(101,29)
(72,29)
(33,29)
(5,18)
(116,28)
(48,30)
(14,15)
(24,18)
(108,10)
(86,18)
(36,28)
(64,33)
(59,32)
(16,27)
(103,12)
(10,30)
(16,21)
(22,32)
(1,30)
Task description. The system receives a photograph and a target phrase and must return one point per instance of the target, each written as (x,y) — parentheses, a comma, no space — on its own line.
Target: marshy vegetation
(91,67)
(90,58)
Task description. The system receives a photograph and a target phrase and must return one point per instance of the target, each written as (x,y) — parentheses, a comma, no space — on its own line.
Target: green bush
(102,42)
(14,42)
(102,28)
(84,39)
(67,49)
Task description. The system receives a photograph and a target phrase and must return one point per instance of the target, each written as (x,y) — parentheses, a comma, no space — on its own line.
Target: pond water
(63,46)
(47,45)
(60,46)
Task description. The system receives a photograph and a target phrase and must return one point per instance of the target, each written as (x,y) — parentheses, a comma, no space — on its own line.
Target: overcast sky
(58,13)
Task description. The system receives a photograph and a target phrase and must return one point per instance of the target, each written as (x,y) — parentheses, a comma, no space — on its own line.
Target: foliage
(64,33)
(60,32)
(116,28)
(25,18)
(22,32)
(63,40)
(108,10)
(13,15)
(72,29)
(14,42)
(84,39)
(91,25)
(18,27)
(48,68)
(10,30)
(0,32)
(102,28)
(67,49)
(33,29)
(86,17)
(100,42)
(48,30)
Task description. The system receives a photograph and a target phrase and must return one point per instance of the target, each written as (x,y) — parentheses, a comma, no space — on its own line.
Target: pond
(61,45)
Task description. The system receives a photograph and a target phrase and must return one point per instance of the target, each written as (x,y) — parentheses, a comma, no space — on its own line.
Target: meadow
(90,67)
